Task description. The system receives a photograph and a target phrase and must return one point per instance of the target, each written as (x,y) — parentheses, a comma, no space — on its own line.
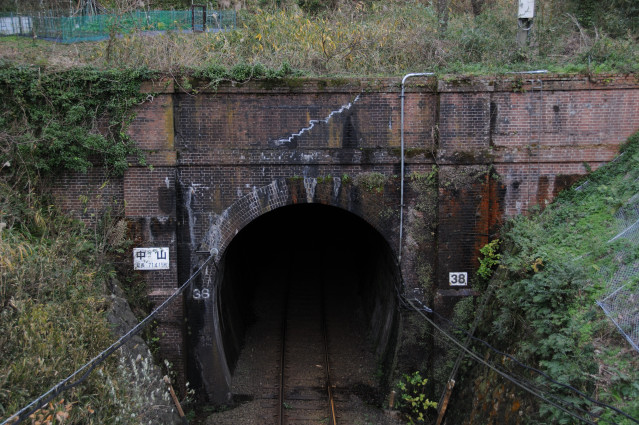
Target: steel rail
(283,349)
(327,368)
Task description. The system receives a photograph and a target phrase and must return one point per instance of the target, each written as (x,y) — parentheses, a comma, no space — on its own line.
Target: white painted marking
(312,123)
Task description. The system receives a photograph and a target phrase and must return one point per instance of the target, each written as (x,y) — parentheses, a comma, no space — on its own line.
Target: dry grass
(356,39)
(43,53)
(53,317)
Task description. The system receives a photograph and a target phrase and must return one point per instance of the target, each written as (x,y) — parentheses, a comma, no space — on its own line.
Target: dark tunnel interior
(293,242)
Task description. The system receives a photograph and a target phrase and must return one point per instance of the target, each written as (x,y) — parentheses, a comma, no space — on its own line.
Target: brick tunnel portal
(283,266)
(234,153)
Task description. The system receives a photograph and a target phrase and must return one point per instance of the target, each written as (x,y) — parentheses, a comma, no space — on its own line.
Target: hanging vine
(70,120)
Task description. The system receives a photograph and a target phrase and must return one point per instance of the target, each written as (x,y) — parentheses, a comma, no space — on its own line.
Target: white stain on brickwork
(309,185)
(254,200)
(248,207)
(312,123)
(214,235)
(189,212)
(309,157)
(274,193)
(337,183)
(188,202)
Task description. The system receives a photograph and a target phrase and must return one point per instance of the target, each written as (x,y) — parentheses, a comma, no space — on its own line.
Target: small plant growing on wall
(371,182)
(489,259)
(413,402)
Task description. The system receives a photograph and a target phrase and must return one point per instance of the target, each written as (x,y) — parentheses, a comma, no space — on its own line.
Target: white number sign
(458,279)
(201,294)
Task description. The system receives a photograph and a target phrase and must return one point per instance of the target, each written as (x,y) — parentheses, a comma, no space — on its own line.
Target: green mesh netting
(97,27)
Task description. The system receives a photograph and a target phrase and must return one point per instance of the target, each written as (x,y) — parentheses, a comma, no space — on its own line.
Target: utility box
(526,9)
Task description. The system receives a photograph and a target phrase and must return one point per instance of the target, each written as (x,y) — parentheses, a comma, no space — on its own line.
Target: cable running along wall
(81,374)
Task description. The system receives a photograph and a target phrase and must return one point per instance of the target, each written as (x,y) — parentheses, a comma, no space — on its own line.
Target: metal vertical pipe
(401,191)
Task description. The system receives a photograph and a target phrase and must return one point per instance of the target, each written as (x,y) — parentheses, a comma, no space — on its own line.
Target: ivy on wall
(69,120)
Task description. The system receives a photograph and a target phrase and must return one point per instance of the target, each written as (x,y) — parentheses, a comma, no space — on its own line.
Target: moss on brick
(459,178)
(408,152)
(371,182)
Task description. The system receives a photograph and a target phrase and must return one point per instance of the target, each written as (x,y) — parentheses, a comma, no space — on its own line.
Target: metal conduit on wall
(401,191)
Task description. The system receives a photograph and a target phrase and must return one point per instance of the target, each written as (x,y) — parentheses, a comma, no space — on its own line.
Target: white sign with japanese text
(150,258)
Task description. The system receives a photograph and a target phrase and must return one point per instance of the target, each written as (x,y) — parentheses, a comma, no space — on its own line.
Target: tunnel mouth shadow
(298,246)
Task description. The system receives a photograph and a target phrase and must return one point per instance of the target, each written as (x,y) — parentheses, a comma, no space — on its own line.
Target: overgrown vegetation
(68,109)
(52,313)
(372,182)
(543,311)
(53,270)
(489,259)
(216,74)
(377,38)
(66,121)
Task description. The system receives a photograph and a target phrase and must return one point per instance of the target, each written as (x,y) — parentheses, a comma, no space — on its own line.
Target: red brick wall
(501,145)
(87,196)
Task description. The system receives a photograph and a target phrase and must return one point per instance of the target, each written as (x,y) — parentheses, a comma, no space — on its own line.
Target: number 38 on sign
(458,278)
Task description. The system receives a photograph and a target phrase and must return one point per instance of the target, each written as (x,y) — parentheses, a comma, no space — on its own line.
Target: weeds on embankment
(53,270)
(356,38)
(554,265)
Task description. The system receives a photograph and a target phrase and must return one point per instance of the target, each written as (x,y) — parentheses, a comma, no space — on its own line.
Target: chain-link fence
(97,27)
(621,304)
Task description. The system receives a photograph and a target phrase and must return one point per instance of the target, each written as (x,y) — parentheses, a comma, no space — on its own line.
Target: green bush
(615,17)
(52,313)
(489,259)
(543,311)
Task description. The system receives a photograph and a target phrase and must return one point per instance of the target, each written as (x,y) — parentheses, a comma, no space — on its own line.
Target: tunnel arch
(293,191)
(293,238)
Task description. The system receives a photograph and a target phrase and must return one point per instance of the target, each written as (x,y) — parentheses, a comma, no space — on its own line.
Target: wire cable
(503,374)
(535,370)
(441,408)
(84,371)
(601,404)
(533,389)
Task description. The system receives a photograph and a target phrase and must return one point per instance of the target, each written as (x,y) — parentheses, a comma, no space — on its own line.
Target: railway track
(285,371)
(305,389)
